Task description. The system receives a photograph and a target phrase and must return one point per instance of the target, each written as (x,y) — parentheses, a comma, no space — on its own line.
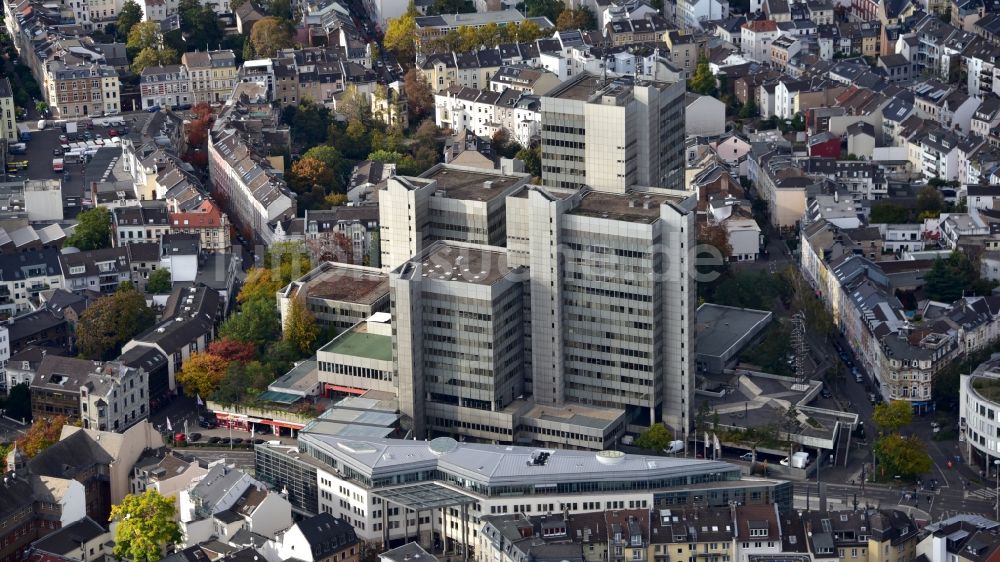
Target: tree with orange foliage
(202,110)
(308,171)
(42,434)
(232,350)
(202,373)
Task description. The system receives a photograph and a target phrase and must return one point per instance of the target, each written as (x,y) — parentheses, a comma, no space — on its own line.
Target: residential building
(692,13)
(96,270)
(166,471)
(114,397)
(84,540)
(320,538)
(188,324)
(756,39)
(146,222)
(55,388)
(24,275)
(80,90)
(8,119)
(255,191)
(704,116)
(207,221)
(611,135)
(4,356)
(165,86)
(346,233)
(212,74)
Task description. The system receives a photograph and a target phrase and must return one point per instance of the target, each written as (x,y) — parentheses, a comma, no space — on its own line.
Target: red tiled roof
(206,215)
(761,26)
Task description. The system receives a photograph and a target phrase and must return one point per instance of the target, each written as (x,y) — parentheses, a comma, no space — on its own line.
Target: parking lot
(40,151)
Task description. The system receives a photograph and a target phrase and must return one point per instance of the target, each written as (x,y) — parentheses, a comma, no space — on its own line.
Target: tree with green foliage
(41,107)
(703,81)
(886,212)
(896,455)
(256,322)
(544,8)
(892,416)
(111,321)
(200,24)
(144,35)
(401,34)
(953,277)
(19,402)
(657,438)
(300,329)
(270,34)
(930,202)
(281,9)
(128,16)
(441,7)
(532,158)
(93,230)
(576,18)
(153,56)
(309,122)
(146,526)
(159,282)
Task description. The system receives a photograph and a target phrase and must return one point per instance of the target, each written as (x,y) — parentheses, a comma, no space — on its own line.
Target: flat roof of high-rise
(480,265)
(339,282)
(579,90)
(470,185)
(628,207)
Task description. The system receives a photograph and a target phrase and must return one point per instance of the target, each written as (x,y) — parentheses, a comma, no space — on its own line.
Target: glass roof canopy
(424,496)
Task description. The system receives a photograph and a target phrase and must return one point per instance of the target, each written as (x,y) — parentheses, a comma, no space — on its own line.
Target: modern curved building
(443,486)
(979,414)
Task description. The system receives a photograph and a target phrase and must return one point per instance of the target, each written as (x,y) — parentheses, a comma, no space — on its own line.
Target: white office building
(611,135)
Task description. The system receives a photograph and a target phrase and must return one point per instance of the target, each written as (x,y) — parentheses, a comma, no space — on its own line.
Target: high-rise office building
(444,203)
(611,135)
(612,299)
(459,338)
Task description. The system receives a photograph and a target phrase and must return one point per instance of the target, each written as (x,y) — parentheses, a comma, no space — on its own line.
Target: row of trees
(895,454)
(252,348)
(401,35)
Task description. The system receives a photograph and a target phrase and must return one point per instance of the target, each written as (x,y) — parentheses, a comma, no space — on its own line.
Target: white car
(784,461)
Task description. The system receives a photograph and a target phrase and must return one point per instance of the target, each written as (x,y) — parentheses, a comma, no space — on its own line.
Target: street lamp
(996,463)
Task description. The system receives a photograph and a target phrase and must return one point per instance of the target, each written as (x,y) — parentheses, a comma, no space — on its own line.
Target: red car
(112,132)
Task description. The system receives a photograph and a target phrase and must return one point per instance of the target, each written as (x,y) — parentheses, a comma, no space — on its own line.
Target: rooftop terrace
(359,342)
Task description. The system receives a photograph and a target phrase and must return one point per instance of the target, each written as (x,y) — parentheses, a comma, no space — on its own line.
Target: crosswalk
(982,493)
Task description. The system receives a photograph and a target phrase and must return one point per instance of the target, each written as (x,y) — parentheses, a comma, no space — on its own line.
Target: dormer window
(758,532)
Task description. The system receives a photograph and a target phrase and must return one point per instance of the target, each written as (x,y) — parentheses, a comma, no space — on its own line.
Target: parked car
(207,423)
(63,138)
(112,132)
(57,152)
(748,457)
(153,109)
(194,437)
(872,398)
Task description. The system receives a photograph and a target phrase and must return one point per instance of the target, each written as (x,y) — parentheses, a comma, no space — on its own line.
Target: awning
(345,389)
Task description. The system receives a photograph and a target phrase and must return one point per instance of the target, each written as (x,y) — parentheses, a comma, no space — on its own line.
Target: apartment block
(165,86)
(207,221)
(8,120)
(611,135)
(80,90)
(212,74)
